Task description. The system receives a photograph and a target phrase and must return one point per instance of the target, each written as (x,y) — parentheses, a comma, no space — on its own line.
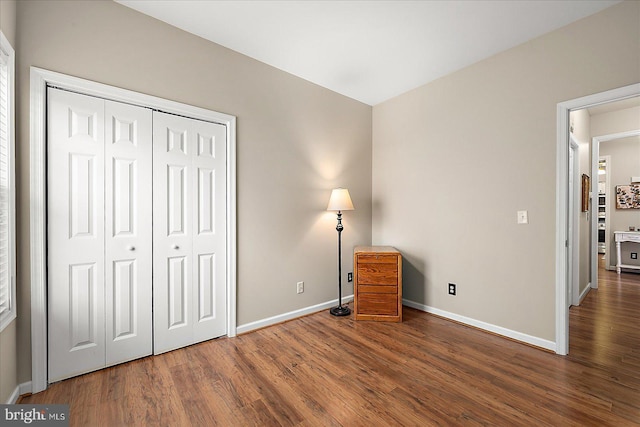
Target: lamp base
(340,311)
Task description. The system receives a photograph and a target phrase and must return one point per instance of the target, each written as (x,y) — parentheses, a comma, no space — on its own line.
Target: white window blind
(7,198)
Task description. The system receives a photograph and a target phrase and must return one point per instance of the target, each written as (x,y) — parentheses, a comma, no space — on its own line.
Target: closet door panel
(209,244)
(189,231)
(75,212)
(178,311)
(128,223)
(172,257)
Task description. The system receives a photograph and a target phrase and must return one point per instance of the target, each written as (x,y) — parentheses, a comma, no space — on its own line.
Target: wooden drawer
(379,304)
(377,284)
(377,259)
(378,274)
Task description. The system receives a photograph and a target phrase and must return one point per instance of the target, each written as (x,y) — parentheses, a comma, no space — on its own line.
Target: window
(7,196)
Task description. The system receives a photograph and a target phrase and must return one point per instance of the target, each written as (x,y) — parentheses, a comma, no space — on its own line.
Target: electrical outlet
(349,277)
(300,287)
(634,255)
(452,288)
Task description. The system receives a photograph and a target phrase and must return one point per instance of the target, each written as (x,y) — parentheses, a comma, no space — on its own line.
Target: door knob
(131,248)
(176,247)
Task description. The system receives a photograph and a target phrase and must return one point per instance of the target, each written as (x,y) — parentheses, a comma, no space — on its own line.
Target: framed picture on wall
(585,192)
(628,196)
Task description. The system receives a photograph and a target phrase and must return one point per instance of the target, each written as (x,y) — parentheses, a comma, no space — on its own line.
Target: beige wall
(8,362)
(625,163)
(580,122)
(8,356)
(295,142)
(8,20)
(614,122)
(455,159)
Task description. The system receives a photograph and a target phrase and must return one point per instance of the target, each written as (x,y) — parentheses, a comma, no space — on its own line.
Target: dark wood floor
(325,371)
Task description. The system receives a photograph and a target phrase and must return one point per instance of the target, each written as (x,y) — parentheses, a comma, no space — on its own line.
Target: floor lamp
(340,201)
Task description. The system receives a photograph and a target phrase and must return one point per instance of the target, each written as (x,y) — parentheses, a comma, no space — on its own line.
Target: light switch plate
(523,217)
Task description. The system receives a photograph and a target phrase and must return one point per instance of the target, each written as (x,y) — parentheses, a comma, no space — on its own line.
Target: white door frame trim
(574,216)
(40,79)
(562,184)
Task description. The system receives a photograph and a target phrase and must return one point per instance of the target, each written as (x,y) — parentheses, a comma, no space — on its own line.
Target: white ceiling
(369,50)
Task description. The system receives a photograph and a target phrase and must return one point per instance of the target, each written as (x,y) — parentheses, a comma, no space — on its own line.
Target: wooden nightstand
(377,283)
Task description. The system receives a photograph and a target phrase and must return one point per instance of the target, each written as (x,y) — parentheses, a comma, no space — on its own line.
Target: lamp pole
(339,201)
(340,310)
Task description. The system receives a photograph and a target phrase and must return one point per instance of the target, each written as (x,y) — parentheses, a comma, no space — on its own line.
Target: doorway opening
(615,156)
(565,239)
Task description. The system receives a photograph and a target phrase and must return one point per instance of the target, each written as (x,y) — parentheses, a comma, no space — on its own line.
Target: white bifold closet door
(136,221)
(189,235)
(99,233)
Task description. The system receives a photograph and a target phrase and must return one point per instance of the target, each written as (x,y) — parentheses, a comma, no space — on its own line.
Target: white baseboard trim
(518,336)
(258,324)
(25,388)
(584,293)
(21,389)
(14,396)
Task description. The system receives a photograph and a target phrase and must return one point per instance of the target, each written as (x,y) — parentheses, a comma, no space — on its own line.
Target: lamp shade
(340,200)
